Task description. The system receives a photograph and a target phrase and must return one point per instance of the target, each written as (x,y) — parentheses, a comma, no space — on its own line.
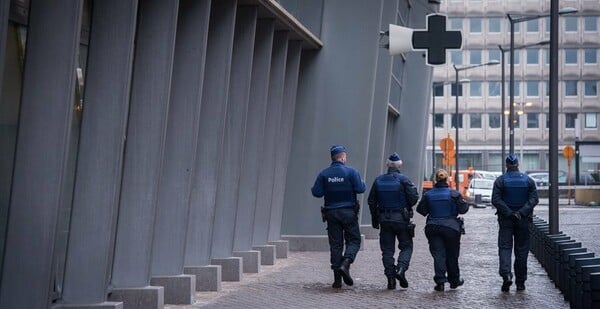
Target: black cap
(512,159)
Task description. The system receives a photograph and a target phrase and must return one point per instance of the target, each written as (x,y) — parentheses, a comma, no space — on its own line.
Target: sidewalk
(303,280)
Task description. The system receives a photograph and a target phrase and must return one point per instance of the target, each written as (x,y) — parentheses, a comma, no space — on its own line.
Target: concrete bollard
(559,260)
(570,292)
(538,230)
(555,258)
(595,287)
(564,268)
(586,297)
(576,300)
(549,250)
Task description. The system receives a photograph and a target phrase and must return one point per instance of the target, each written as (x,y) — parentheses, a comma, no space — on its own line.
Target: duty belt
(384,210)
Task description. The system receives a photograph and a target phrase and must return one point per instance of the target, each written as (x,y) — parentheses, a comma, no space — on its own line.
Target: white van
(480,186)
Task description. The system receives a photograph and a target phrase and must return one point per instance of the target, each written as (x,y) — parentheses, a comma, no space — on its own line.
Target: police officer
(514,196)
(443,229)
(339,184)
(390,201)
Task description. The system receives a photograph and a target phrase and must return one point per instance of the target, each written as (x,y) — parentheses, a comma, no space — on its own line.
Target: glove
(375,223)
(516,215)
(411,213)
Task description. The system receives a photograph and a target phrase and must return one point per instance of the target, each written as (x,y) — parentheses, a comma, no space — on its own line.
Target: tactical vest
(440,203)
(339,189)
(390,193)
(516,190)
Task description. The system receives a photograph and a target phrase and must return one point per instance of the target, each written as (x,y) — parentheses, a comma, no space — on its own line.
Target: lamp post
(503,50)
(515,20)
(456,70)
(521,113)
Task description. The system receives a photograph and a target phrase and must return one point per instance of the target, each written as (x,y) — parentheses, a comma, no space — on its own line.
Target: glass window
(438,89)
(455,23)
(494,54)
(547,115)
(547,85)
(533,25)
(547,23)
(475,25)
(456,57)
(570,23)
(494,120)
(517,84)
(590,24)
(453,89)
(494,25)
(533,120)
(439,120)
(494,88)
(590,56)
(517,27)
(460,120)
(475,89)
(475,121)
(475,56)
(591,88)
(547,56)
(570,56)
(590,120)
(570,119)
(517,121)
(533,88)
(516,57)
(570,88)
(533,56)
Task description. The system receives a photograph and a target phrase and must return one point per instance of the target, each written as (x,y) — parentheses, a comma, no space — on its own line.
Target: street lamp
(503,50)
(521,113)
(519,18)
(456,70)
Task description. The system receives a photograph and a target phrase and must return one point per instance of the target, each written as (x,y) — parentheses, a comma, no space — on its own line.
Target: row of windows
(532,88)
(475,25)
(569,56)
(532,120)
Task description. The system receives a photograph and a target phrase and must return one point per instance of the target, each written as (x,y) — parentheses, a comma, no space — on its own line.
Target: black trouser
(389,232)
(342,225)
(444,245)
(518,231)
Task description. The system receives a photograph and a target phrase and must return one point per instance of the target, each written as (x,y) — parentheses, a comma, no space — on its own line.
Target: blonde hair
(441,175)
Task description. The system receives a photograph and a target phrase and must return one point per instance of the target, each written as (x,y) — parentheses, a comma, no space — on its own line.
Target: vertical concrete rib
(182,138)
(284,136)
(153,65)
(235,124)
(210,134)
(379,111)
(335,93)
(99,164)
(255,124)
(4,13)
(41,154)
(271,148)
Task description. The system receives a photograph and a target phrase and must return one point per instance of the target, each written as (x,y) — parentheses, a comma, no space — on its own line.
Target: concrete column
(99,163)
(255,123)
(174,189)
(151,85)
(210,138)
(271,147)
(284,140)
(4,13)
(335,93)
(38,187)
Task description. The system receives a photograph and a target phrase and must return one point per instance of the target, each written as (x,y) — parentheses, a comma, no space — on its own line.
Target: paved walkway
(303,280)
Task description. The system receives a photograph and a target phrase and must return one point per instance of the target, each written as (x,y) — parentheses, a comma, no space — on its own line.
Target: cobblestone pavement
(303,280)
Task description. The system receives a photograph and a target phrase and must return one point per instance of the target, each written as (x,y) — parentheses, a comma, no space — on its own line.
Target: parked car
(479,186)
(542,178)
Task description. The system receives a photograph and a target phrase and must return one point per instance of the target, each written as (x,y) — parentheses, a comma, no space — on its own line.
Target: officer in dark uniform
(443,229)
(514,196)
(339,184)
(390,201)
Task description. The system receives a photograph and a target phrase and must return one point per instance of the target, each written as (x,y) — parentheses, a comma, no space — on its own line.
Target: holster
(323,214)
(410,228)
(356,207)
(461,223)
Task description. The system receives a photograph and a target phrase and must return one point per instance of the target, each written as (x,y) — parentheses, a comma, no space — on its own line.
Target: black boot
(506,282)
(337,280)
(401,276)
(391,283)
(345,271)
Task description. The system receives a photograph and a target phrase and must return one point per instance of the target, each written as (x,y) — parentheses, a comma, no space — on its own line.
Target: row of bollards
(574,270)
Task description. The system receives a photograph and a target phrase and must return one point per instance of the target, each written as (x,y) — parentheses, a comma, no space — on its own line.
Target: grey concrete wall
(99,163)
(41,154)
(233,140)
(210,134)
(255,125)
(335,94)
(148,109)
(182,138)
(308,12)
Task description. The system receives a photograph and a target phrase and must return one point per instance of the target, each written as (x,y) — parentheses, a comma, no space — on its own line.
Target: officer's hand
(375,223)
(516,215)
(411,213)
